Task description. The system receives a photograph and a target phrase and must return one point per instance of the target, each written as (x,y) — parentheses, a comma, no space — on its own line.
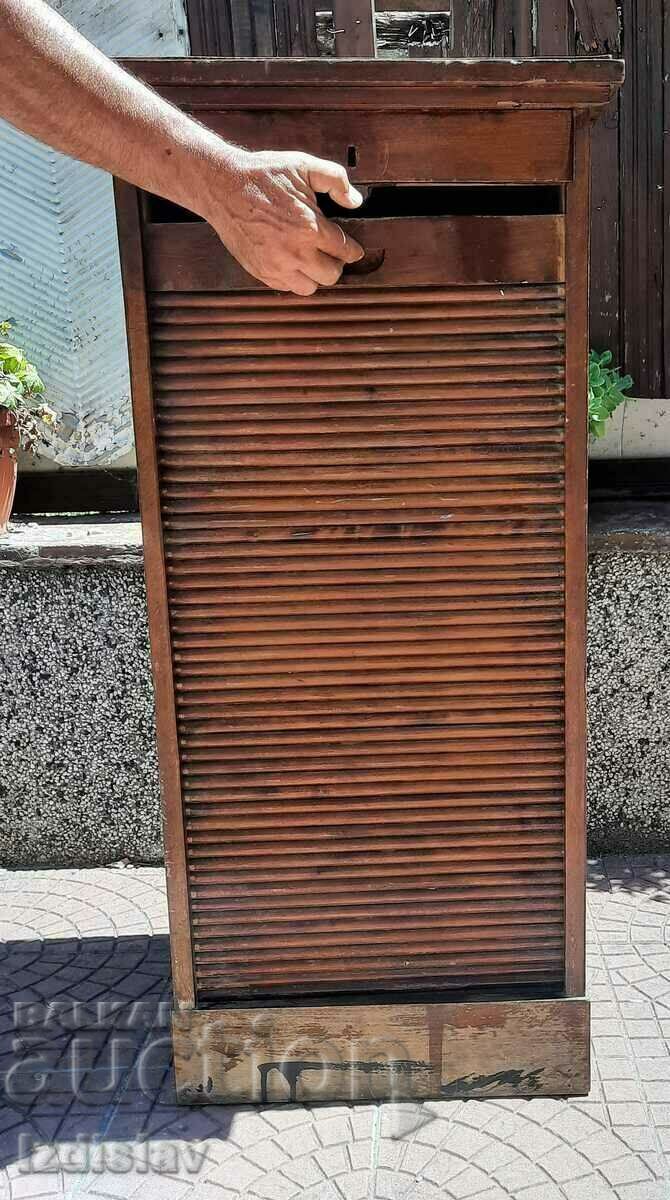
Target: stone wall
(629,680)
(78,771)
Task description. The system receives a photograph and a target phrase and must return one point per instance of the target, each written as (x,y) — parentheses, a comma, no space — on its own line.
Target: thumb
(331,178)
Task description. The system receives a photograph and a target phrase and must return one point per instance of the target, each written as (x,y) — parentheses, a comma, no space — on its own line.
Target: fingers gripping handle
(372,261)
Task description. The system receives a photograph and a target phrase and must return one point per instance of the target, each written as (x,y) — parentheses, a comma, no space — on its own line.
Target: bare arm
(62,90)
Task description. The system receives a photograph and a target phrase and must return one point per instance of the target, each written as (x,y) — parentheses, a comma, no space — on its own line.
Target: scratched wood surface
(383,1052)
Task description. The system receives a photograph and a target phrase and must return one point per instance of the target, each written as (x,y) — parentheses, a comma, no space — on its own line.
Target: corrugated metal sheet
(59,268)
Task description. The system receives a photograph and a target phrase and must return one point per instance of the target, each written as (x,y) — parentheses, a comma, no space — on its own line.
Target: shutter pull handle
(365,266)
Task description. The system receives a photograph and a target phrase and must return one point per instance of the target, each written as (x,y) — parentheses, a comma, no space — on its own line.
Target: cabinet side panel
(130,242)
(577,250)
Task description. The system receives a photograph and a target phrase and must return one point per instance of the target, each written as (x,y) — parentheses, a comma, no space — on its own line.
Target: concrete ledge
(629,678)
(55,542)
(78,772)
(633,526)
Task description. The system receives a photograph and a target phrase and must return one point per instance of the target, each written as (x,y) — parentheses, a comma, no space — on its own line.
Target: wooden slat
(254,307)
(410,697)
(354,27)
(599,33)
(598,25)
(498,887)
(232,29)
(512,28)
(642,180)
(463,817)
(210,28)
(666,202)
(555,28)
(504,14)
(471,33)
(295,22)
(605,314)
(537,347)
(437,250)
(378,710)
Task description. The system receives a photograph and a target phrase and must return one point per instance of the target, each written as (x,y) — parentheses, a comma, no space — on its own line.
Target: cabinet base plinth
(382,1052)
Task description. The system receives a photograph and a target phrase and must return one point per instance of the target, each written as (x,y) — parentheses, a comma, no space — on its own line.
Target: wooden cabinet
(364,519)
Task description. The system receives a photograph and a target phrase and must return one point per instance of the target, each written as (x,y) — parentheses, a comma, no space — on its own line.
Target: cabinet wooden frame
(448,100)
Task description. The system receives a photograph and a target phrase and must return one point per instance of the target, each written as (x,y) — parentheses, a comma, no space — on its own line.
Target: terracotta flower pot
(9,440)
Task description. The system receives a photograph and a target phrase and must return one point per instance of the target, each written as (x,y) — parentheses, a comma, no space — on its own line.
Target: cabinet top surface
(585,82)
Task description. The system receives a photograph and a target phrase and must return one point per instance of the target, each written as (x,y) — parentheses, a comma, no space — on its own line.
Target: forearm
(63,91)
(59,88)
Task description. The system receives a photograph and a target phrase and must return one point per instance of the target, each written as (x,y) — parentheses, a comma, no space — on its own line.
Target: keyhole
(352,156)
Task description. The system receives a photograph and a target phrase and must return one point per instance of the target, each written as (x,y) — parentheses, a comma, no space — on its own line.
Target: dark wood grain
(210,28)
(642,177)
(555,28)
(606,219)
(512,28)
(666,203)
(295,22)
(243,30)
(471,34)
(598,32)
(598,25)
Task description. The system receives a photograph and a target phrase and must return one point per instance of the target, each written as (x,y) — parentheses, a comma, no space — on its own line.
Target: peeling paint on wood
(398,33)
(598,25)
(521,1081)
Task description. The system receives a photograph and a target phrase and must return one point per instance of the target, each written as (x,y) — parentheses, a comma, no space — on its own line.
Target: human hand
(265,211)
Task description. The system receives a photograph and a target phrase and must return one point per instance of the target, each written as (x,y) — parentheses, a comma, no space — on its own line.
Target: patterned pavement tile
(88,1108)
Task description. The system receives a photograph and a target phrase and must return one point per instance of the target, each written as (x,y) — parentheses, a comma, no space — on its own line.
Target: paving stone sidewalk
(88,1105)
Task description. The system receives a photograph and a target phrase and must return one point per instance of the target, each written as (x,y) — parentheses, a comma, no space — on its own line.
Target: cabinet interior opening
(410,200)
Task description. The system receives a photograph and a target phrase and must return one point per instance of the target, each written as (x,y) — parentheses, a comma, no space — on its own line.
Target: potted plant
(606,391)
(21,410)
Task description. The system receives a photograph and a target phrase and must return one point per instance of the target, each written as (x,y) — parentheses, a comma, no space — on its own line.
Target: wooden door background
(630,246)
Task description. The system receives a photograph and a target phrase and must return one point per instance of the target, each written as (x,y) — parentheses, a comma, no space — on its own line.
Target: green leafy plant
(606,391)
(21,391)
